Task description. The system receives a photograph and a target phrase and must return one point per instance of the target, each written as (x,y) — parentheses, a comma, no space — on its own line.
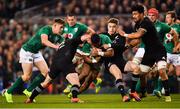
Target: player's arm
(175,36)
(140,32)
(90,31)
(133,43)
(46,42)
(89,59)
(98,52)
(178,47)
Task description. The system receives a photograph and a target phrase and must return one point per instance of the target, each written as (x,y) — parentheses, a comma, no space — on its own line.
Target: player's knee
(136,60)
(178,70)
(26,77)
(162,65)
(44,72)
(144,68)
(84,74)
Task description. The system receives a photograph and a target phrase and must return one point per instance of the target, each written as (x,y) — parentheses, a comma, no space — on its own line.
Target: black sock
(120,86)
(75,91)
(135,79)
(36,92)
(166,87)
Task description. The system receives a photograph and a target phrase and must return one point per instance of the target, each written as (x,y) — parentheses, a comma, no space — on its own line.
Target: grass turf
(91,101)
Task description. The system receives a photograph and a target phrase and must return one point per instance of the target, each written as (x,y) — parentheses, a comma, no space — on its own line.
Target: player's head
(71,19)
(171,17)
(112,25)
(58,26)
(153,14)
(137,13)
(96,40)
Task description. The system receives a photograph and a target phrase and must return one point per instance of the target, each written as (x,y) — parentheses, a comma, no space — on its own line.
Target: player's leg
(97,81)
(54,72)
(116,72)
(88,81)
(84,72)
(176,63)
(162,65)
(73,79)
(41,64)
(136,70)
(79,68)
(39,89)
(143,84)
(27,63)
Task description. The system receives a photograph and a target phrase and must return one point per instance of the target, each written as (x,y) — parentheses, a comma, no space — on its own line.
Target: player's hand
(175,50)
(106,46)
(120,31)
(94,52)
(58,46)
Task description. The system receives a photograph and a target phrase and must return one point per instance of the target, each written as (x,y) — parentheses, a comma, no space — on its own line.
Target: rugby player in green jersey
(30,55)
(162,29)
(173,55)
(75,29)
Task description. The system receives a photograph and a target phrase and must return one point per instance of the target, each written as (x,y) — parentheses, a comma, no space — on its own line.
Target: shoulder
(80,24)
(146,20)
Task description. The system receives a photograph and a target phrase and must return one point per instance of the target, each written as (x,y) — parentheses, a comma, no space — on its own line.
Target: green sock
(159,85)
(138,86)
(37,80)
(155,81)
(95,81)
(17,83)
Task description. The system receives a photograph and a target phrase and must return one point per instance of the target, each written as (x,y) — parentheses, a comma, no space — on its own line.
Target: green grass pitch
(91,101)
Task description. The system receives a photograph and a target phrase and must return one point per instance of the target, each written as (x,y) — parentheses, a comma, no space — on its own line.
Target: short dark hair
(113,20)
(139,8)
(60,21)
(173,14)
(71,14)
(95,39)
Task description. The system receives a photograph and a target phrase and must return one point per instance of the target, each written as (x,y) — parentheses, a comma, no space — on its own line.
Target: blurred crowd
(13,33)
(110,7)
(8,8)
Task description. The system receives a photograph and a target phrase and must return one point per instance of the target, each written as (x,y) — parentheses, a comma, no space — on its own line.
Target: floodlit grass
(91,101)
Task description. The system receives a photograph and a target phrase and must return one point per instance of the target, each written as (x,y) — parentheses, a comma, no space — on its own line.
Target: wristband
(101,53)
(109,45)
(94,60)
(126,35)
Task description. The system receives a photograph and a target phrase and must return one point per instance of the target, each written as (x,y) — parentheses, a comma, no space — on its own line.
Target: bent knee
(26,77)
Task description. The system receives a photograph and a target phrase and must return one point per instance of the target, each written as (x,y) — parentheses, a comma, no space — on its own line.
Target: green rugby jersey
(74,31)
(104,40)
(34,44)
(168,39)
(162,29)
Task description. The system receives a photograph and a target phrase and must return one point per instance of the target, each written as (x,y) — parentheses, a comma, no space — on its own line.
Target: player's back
(150,38)
(66,52)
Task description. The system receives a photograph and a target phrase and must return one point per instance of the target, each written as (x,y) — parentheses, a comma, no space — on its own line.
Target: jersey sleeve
(83,28)
(105,39)
(86,49)
(166,28)
(145,26)
(44,30)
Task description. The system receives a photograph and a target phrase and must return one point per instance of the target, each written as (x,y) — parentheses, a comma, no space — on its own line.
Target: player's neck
(172,24)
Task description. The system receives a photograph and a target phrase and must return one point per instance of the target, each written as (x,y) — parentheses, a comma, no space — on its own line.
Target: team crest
(65,29)
(75,29)
(158,29)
